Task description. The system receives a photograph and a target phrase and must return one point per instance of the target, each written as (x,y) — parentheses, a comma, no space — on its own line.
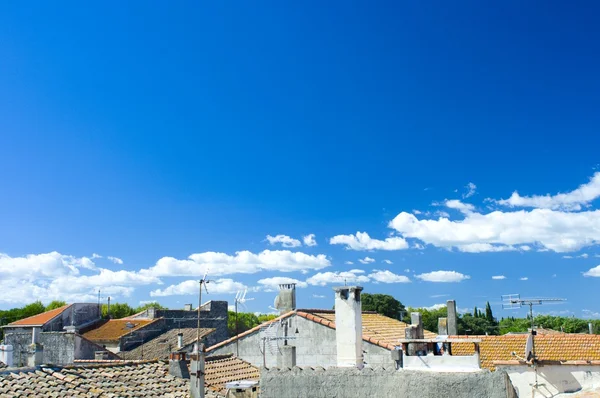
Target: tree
(488,312)
(475,313)
(55,304)
(32,309)
(383,304)
(149,305)
(429,317)
(117,310)
(245,321)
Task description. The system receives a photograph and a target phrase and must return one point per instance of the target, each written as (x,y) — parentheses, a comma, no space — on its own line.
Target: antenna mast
(514,301)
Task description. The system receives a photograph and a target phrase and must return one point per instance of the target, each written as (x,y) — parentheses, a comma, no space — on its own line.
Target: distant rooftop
(222,369)
(114,329)
(162,345)
(40,319)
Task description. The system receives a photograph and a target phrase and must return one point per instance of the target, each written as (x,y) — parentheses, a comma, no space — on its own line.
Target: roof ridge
(61,308)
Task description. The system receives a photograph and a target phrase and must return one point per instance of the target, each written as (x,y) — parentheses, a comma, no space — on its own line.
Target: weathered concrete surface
(347,382)
(315,346)
(452,320)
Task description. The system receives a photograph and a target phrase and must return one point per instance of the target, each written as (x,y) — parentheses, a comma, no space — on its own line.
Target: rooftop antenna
(240,298)
(514,301)
(204,281)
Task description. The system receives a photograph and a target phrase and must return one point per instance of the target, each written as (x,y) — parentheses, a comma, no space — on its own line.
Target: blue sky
(152,132)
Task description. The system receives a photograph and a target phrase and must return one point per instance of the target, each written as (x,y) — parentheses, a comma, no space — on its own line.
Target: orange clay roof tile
(40,319)
(222,369)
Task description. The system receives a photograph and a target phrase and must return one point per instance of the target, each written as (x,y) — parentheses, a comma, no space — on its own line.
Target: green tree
(383,304)
(32,309)
(489,316)
(55,304)
(245,321)
(429,317)
(475,312)
(117,310)
(149,305)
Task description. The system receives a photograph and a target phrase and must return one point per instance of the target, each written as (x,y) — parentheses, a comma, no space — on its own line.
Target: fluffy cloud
(362,241)
(483,247)
(309,240)
(443,276)
(573,200)
(348,262)
(595,272)
(243,262)
(460,206)
(554,230)
(190,287)
(498,277)
(357,271)
(115,260)
(524,278)
(386,276)
(320,296)
(338,278)
(274,282)
(388,262)
(366,260)
(54,276)
(285,240)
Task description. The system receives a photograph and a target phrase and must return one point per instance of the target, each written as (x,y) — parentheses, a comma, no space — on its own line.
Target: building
(161,346)
(312,334)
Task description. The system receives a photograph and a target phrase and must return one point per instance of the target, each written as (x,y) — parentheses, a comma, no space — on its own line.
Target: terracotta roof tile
(40,319)
(549,347)
(114,329)
(222,369)
(162,345)
(377,329)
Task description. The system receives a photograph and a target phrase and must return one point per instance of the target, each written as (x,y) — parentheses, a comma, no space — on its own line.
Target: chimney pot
(180,341)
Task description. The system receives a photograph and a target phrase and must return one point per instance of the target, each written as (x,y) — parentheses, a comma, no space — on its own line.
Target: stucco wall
(351,382)
(554,379)
(315,346)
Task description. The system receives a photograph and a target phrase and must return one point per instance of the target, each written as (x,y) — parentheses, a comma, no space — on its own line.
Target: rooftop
(40,319)
(114,329)
(378,329)
(161,346)
(549,347)
(222,369)
(147,379)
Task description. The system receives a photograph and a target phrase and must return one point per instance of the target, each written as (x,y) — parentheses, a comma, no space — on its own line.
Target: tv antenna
(240,299)
(270,338)
(202,282)
(514,301)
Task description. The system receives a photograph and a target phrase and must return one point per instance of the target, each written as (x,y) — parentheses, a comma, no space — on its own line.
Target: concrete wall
(368,382)
(79,314)
(315,346)
(442,363)
(554,379)
(213,314)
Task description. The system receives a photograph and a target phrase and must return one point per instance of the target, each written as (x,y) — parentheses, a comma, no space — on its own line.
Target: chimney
(6,355)
(151,312)
(591,327)
(187,307)
(415,332)
(178,365)
(286,299)
(287,357)
(443,326)
(180,341)
(348,326)
(452,319)
(35,352)
(197,374)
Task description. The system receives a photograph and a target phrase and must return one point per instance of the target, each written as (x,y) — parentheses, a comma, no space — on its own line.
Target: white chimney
(35,335)
(348,326)
(6,355)
(180,341)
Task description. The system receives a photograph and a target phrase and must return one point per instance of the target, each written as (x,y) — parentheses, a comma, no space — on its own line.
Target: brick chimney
(348,326)
(286,299)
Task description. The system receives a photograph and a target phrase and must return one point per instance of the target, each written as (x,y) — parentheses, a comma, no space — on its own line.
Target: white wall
(6,355)
(555,380)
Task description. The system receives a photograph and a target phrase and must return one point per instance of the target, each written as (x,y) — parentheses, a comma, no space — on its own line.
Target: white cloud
(309,240)
(584,255)
(471,189)
(243,262)
(95,256)
(348,262)
(366,260)
(339,278)
(285,240)
(274,282)
(595,272)
(443,276)
(320,296)
(460,206)
(388,262)
(386,276)
(357,271)
(434,307)
(407,270)
(498,277)
(483,247)
(190,287)
(417,212)
(362,241)
(115,260)
(569,201)
(524,278)
(525,248)
(590,314)
(554,230)
(439,295)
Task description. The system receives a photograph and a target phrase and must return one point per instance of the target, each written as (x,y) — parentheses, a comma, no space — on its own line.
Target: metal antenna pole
(237,341)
